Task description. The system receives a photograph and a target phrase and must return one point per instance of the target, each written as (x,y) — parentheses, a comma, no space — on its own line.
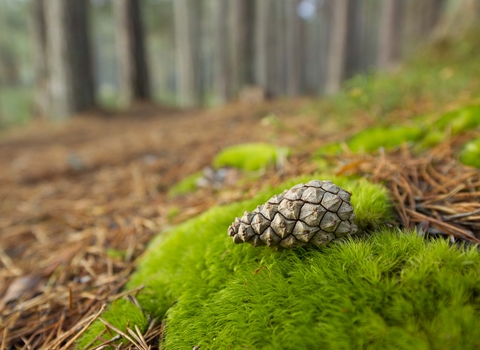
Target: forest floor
(71,195)
(80,201)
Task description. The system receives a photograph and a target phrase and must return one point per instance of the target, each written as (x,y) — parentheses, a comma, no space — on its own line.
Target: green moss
(252,156)
(374,138)
(173,212)
(186,185)
(470,154)
(329,150)
(115,254)
(432,138)
(121,313)
(198,258)
(390,291)
(460,120)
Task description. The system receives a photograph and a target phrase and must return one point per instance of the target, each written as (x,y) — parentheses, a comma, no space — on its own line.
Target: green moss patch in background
(470,154)
(388,137)
(372,139)
(329,150)
(460,120)
(250,156)
(186,185)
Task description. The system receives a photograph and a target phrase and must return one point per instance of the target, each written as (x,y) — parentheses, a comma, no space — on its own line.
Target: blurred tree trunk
(356,37)
(293,48)
(38,42)
(69,60)
(279,78)
(419,19)
(337,46)
(242,48)
(133,72)
(390,21)
(457,17)
(221,69)
(187,46)
(265,45)
(324,26)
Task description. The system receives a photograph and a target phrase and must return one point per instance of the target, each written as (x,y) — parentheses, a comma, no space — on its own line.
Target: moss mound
(470,154)
(250,156)
(460,120)
(186,185)
(390,291)
(374,138)
(197,258)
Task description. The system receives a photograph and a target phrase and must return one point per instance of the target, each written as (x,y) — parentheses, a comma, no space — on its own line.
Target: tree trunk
(265,45)
(390,20)
(277,80)
(337,47)
(38,41)
(221,71)
(420,17)
(69,60)
(242,44)
(133,72)
(187,46)
(356,38)
(293,56)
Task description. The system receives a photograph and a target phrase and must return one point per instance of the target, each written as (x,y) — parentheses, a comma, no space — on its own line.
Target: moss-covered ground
(197,258)
(385,290)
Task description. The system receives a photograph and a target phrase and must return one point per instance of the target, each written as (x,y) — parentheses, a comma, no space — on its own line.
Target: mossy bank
(389,289)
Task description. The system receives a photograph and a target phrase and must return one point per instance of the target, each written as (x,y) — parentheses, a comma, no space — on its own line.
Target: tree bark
(133,71)
(69,60)
(390,20)
(293,48)
(277,59)
(38,42)
(265,45)
(420,17)
(221,71)
(187,50)
(242,48)
(337,47)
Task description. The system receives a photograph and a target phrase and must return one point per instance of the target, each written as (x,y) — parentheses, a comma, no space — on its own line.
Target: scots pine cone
(310,214)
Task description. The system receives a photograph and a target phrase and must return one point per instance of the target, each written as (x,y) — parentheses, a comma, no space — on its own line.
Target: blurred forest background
(60,57)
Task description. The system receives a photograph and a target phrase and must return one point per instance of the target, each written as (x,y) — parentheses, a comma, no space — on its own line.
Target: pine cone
(310,214)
